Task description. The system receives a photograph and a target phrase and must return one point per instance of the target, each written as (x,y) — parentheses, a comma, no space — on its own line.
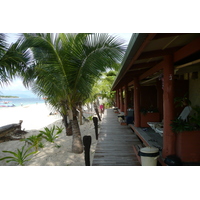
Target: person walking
(101,107)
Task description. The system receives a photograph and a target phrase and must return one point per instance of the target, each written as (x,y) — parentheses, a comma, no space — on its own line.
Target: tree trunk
(77,144)
(67,125)
(97,112)
(80,115)
(69,129)
(8,129)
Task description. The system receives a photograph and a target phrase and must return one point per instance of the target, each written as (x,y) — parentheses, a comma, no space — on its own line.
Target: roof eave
(135,42)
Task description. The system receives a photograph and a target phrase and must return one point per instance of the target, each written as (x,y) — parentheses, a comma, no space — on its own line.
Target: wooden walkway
(115,143)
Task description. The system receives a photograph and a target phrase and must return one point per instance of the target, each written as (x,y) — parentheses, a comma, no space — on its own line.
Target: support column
(168,107)
(117,95)
(116,98)
(121,100)
(159,98)
(115,102)
(126,100)
(136,103)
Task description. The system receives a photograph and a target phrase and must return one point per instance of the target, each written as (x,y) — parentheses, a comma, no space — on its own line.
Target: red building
(158,68)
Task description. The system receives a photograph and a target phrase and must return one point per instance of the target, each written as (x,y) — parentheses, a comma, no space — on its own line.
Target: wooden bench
(136,149)
(148,138)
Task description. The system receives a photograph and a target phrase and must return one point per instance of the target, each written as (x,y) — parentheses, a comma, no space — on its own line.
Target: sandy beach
(35,118)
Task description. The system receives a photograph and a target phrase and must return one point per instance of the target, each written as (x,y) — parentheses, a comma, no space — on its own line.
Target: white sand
(35,117)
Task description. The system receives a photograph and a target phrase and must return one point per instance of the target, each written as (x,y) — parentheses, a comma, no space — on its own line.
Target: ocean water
(20,101)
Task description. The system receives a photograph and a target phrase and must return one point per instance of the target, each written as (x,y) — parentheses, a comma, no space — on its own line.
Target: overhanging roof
(147,50)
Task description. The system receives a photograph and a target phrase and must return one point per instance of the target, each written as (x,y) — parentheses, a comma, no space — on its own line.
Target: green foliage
(182,101)
(193,122)
(195,118)
(65,67)
(20,157)
(143,111)
(90,118)
(49,134)
(1,96)
(33,140)
(103,87)
(57,146)
(12,60)
(41,145)
(179,125)
(151,109)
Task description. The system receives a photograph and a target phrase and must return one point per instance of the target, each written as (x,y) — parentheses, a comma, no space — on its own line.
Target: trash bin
(149,156)
(130,112)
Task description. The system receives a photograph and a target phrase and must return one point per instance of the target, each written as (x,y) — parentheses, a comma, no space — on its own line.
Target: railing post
(87,143)
(95,120)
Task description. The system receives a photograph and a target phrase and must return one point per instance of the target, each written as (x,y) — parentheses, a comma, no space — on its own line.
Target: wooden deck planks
(115,143)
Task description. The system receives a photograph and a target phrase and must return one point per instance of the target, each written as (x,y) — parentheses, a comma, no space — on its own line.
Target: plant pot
(188,146)
(149,117)
(123,123)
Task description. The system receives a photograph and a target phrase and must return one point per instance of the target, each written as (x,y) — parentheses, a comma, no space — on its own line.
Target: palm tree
(12,60)
(65,68)
(103,86)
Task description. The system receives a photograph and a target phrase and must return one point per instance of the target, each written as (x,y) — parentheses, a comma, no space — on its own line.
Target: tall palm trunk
(77,144)
(80,114)
(67,125)
(97,111)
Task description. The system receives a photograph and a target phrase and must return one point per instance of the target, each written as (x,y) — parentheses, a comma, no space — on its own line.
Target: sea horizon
(21,101)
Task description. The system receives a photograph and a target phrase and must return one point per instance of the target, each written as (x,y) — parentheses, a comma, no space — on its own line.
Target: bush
(20,157)
(49,134)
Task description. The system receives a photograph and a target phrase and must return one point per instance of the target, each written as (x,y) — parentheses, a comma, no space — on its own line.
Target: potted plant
(150,114)
(188,136)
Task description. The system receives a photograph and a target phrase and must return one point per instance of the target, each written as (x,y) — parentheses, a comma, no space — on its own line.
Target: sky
(16,88)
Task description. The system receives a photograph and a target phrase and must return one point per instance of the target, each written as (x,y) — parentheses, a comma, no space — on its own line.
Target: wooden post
(126,100)
(159,97)
(95,121)
(121,100)
(115,103)
(168,107)
(87,139)
(117,93)
(136,102)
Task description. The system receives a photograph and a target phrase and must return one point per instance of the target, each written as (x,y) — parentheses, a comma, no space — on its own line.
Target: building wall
(194,88)
(148,97)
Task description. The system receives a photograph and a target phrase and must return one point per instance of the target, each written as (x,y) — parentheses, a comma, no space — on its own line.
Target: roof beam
(158,53)
(128,78)
(151,71)
(133,59)
(187,50)
(148,39)
(143,66)
(167,35)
